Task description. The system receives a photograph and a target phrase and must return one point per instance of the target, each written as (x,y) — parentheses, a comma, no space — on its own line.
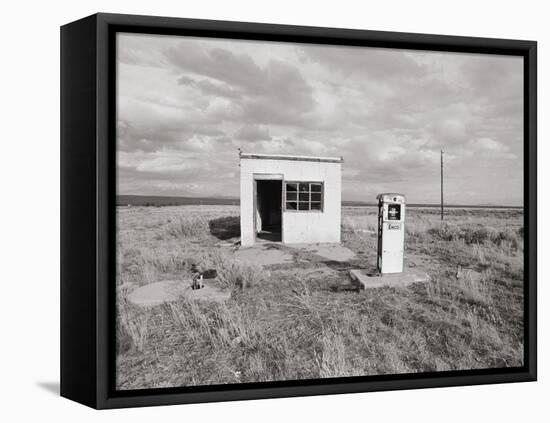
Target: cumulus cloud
(274,93)
(185,105)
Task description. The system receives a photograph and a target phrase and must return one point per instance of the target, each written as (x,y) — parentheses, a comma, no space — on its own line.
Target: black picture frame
(88,208)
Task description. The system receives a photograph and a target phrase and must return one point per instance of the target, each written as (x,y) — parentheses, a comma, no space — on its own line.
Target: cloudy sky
(185,105)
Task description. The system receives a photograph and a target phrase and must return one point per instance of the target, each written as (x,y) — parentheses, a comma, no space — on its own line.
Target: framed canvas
(258,211)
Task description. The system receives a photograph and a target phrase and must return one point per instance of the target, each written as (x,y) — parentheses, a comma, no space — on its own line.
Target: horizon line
(367,203)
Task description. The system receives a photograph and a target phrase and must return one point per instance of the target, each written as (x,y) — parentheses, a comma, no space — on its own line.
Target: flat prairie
(304,319)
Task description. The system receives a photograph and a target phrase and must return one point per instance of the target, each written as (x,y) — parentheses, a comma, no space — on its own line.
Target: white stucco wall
(298,227)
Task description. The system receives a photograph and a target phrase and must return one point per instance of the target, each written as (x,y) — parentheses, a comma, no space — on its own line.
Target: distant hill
(447,206)
(153,200)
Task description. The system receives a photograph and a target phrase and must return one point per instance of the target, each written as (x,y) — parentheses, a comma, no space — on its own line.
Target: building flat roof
(291,157)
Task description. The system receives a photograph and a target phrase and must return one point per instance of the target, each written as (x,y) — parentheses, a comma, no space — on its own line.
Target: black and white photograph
(289,211)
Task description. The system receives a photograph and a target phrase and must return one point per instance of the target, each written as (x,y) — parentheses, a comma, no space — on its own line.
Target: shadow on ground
(51,387)
(226,227)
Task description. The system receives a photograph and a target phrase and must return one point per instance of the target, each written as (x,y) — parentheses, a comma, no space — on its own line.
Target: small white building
(290,199)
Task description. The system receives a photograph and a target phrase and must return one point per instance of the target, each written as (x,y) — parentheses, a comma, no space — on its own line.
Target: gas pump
(391,233)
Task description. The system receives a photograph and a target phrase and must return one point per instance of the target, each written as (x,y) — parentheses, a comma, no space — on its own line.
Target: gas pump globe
(391,233)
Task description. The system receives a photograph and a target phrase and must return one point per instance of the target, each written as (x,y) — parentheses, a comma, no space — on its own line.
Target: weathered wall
(298,227)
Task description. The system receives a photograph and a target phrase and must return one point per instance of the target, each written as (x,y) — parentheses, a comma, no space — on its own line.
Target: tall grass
(282,323)
(511,239)
(231,273)
(132,326)
(360,223)
(331,361)
(187,227)
(471,287)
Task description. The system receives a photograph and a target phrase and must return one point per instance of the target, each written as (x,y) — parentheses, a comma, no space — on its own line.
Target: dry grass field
(303,320)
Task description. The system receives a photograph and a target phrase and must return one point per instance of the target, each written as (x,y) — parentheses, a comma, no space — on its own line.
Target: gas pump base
(367,280)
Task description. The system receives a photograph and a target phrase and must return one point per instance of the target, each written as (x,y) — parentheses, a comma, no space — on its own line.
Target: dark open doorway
(268,210)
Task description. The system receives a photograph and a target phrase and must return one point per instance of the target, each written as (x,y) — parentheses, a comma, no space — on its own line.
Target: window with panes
(304,196)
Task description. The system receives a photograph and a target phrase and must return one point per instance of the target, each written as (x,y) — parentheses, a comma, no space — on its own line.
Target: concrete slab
(207,293)
(263,254)
(367,280)
(169,291)
(332,252)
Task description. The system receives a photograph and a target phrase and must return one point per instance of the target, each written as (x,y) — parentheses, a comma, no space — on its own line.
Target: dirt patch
(263,254)
(331,252)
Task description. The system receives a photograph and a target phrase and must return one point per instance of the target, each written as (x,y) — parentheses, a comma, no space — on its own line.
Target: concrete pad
(263,254)
(169,291)
(207,293)
(332,252)
(367,280)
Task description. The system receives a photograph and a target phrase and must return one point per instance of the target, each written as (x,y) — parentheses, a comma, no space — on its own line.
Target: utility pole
(441,184)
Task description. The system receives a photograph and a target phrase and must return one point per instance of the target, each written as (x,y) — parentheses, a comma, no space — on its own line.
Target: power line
(442,212)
